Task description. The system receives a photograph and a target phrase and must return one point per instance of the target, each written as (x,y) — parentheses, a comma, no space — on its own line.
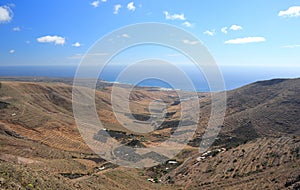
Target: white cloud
(169,16)
(125,36)
(130,6)
(291,46)
(16,29)
(57,40)
(117,8)
(245,40)
(290,12)
(187,24)
(224,30)
(190,42)
(77,44)
(235,27)
(12,51)
(95,3)
(6,14)
(210,33)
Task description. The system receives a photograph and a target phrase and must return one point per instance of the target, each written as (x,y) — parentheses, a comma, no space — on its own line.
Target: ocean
(234,77)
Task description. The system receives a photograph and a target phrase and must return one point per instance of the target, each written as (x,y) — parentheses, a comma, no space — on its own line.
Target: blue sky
(238,33)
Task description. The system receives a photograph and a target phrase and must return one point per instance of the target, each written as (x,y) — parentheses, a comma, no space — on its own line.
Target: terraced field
(263,163)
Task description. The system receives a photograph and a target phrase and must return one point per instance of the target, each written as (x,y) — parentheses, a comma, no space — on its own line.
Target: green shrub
(29,186)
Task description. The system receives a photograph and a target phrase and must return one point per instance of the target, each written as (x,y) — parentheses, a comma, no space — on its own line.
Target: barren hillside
(41,147)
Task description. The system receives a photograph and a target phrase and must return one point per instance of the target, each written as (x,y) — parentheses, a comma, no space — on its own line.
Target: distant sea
(234,77)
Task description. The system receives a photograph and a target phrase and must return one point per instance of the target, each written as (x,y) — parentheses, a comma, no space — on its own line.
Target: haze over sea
(234,76)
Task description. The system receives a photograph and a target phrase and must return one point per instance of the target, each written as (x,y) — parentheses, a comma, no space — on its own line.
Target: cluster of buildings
(210,153)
